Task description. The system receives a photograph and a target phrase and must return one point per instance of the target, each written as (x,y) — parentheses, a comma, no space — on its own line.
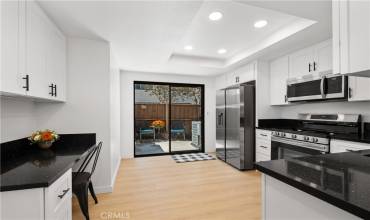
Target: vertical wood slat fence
(146,113)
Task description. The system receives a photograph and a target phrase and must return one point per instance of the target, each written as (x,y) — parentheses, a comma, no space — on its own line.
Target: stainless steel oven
(283,148)
(317,88)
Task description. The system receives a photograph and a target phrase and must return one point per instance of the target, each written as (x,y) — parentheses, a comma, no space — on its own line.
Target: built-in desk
(36,183)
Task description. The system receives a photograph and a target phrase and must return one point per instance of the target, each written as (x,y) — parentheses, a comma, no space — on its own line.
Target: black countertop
(341,179)
(25,166)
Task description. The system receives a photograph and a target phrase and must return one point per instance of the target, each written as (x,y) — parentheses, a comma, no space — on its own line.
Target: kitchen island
(330,186)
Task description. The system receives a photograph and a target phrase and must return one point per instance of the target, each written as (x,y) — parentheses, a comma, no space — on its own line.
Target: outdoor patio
(158,147)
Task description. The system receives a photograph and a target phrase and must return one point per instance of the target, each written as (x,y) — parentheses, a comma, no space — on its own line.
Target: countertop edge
(355,210)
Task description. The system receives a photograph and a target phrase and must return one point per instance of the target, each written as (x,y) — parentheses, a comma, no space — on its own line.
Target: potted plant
(44,139)
(158,125)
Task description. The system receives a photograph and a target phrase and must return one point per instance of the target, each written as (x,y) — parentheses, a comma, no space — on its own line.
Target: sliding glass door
(186,118)
(169,118)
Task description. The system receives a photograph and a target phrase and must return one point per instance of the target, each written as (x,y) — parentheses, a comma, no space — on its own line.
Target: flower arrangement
(158,124)
(44,138)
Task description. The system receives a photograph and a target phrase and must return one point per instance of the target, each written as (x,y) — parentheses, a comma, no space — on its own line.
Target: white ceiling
(149,36)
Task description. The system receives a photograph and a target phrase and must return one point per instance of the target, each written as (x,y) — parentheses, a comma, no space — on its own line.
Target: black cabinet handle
(64,193)
(55,90)
(27,86)
(309,67)
(350,92)
(52,89)
(286,98)
(265,135)
(314,66)
(263,146)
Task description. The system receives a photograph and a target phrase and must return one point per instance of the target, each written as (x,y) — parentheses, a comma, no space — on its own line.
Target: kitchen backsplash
(362,108)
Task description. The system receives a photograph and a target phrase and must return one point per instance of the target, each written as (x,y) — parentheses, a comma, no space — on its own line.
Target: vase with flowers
(44,139)
(158,125)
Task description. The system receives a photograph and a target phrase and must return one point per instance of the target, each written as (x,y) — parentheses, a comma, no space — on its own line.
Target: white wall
(115,121)
(127,108)
(362,108)
(17,118)
(87,108)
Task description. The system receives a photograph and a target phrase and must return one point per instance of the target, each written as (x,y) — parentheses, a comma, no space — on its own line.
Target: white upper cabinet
(323,57)
(34,52)
(56,64)
(11,77)
(279,73)
(351,36)
(241,75)
(312,60)
(301,63)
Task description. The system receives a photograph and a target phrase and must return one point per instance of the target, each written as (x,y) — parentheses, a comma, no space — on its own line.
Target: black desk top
(341,179)
(25,166)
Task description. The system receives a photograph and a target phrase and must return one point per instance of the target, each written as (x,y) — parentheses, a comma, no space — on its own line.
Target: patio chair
(146,130)
(178,127)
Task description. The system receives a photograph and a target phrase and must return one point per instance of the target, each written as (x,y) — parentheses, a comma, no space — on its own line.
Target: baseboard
(103,189)
(109,188)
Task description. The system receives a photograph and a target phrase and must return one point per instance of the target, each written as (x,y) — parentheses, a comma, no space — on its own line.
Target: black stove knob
(294,136)
(306,138)
(316,140)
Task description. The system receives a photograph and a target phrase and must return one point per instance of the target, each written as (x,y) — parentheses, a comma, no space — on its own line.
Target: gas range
(311,135)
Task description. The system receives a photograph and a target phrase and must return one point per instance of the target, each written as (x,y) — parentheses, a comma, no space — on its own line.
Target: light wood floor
(157,188)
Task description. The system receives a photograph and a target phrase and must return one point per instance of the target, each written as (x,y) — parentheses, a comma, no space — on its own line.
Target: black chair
(81,180)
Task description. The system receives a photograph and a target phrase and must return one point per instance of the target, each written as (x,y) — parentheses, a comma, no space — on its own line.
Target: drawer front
(263,134)
(262,157)
(263,146)
(337,146)
(58,196)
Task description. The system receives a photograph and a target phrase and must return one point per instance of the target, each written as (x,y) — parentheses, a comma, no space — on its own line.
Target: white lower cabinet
(50,203)
(339,146)
(263,145)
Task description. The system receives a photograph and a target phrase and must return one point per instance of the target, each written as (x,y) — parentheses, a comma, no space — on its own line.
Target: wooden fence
(159,112)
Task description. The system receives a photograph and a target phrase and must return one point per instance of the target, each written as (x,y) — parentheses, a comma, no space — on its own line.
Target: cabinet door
(231,79)
(11,78)
(247,73)
(279,73)
(36,54)
(301,63)
(56,63)
(323,57)
(220,81)
(358,88)
(354,34)
(359,35)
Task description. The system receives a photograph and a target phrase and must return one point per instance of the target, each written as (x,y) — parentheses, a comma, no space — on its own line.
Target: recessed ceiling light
(188,47)
(221,51)
(260,23)
(215,16)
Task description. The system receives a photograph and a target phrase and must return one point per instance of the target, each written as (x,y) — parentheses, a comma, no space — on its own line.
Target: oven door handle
(313,146)
(322,87)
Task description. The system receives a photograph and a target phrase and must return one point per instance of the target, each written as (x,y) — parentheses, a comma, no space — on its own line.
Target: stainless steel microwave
(318,88)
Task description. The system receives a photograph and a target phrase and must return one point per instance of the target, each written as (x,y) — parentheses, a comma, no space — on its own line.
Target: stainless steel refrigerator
(235,125)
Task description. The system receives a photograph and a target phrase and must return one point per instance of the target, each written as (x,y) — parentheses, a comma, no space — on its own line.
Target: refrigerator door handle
(221,118)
